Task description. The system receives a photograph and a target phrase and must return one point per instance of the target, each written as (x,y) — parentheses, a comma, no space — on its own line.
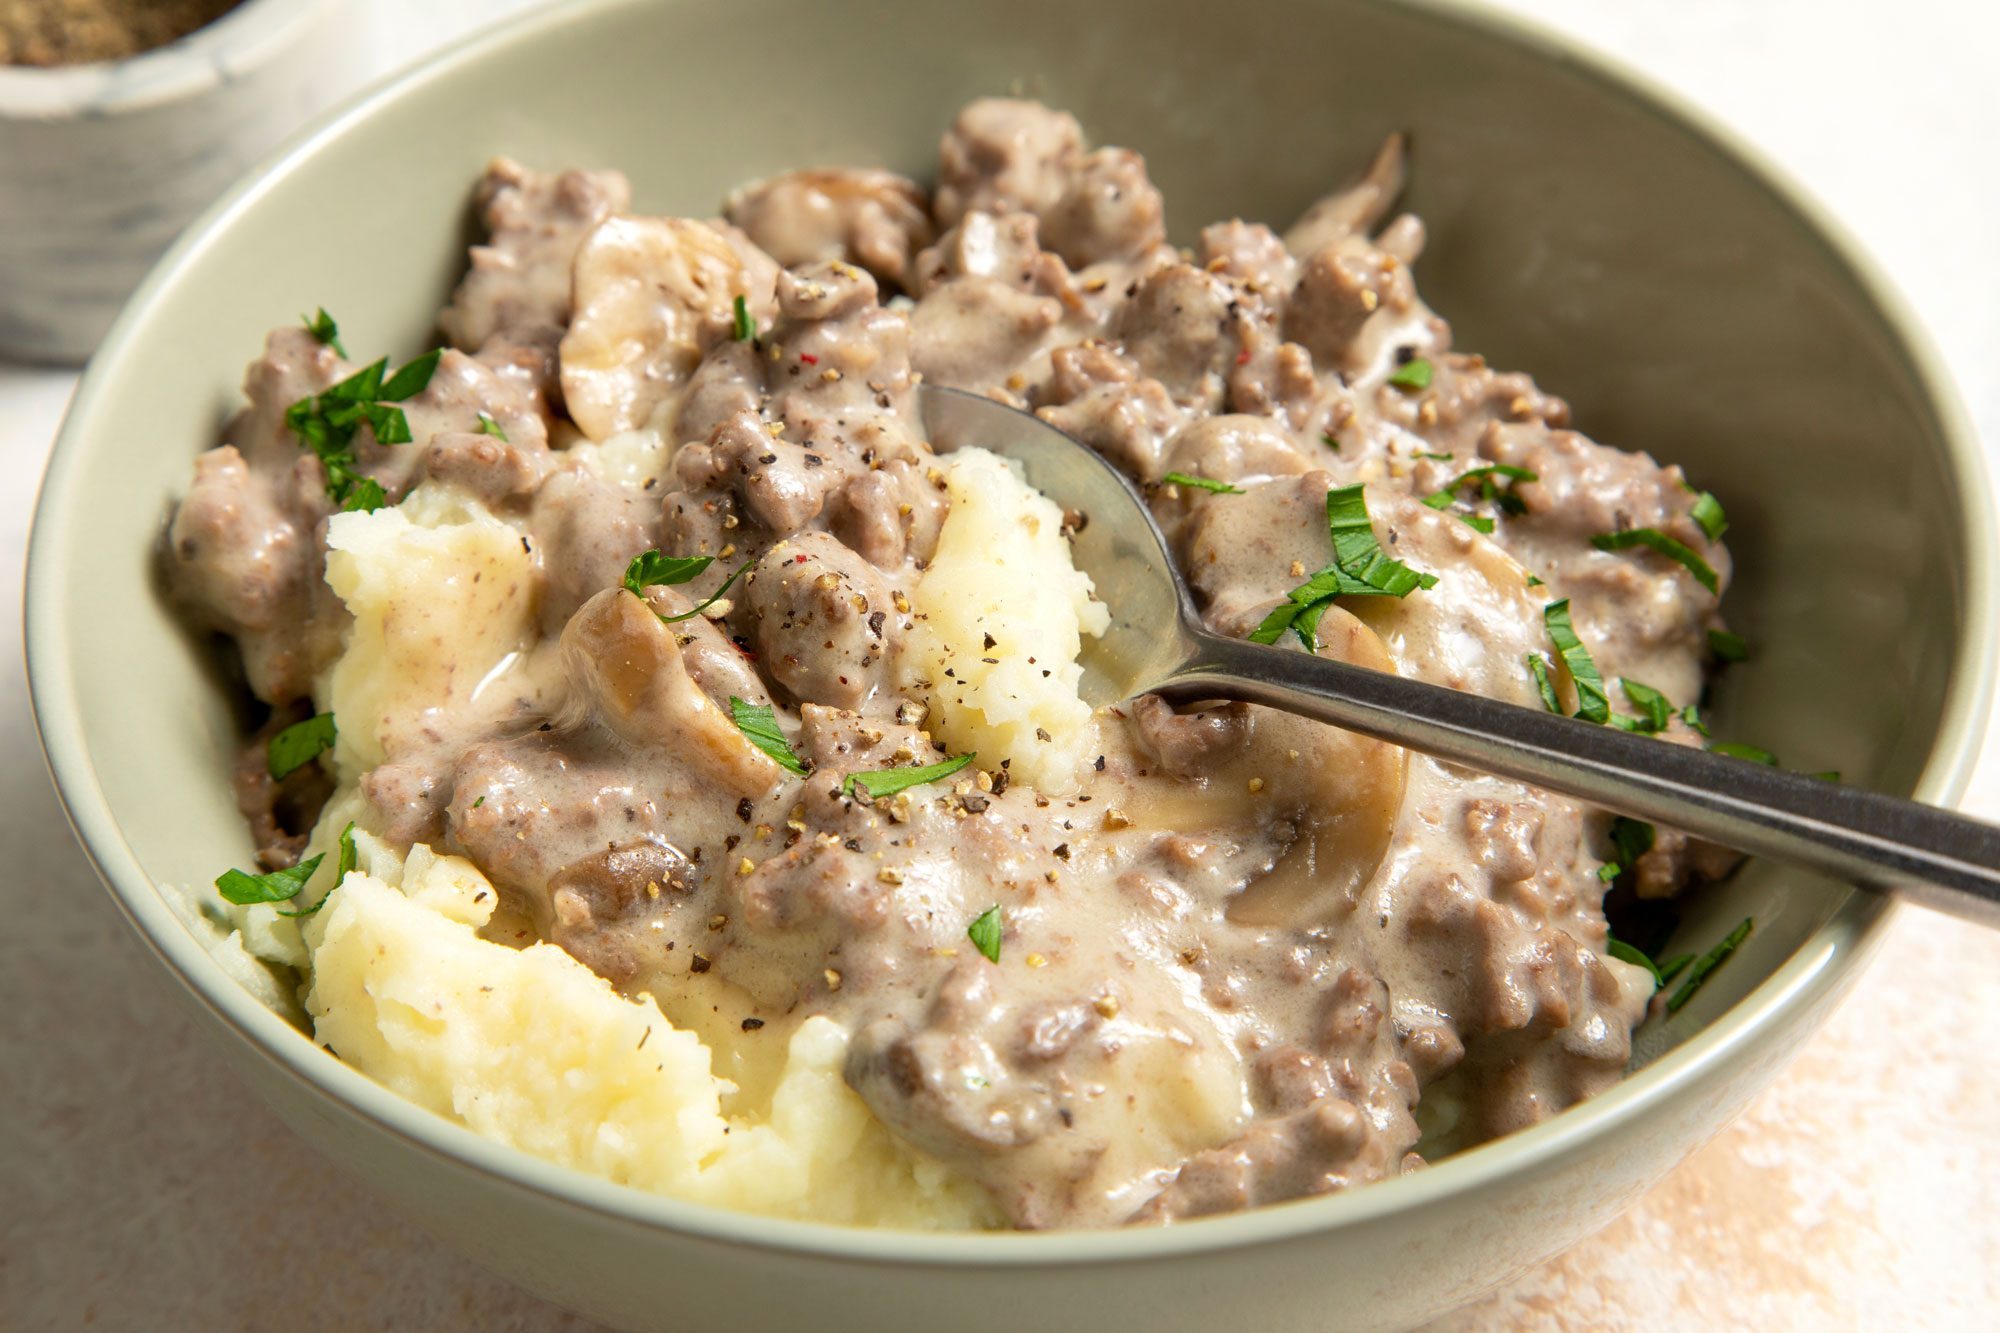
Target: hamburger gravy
(675,768)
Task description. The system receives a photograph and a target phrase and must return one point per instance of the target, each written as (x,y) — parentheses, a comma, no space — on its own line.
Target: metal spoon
(1156,645)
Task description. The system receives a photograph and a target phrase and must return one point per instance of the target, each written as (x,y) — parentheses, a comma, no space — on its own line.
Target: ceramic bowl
(101,165)
(1585,225)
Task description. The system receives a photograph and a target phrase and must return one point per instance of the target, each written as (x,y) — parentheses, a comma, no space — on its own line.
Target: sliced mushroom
(1342,790)
(1356,208)
(651,294)
(869,217)
(625,667)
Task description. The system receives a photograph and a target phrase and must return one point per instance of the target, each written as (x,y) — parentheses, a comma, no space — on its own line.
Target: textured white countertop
(141,1187)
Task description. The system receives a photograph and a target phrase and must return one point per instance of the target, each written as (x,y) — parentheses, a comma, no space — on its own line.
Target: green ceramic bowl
(1585,226)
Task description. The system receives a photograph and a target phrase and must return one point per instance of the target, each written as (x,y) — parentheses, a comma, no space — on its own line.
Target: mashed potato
(1001,615)
(530,1048)
(442,595)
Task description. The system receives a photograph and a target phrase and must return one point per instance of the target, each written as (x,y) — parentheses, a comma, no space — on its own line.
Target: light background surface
(141,1188)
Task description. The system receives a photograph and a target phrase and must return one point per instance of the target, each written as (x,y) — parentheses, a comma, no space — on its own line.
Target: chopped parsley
(1729,647)
(651,569)
(1655,540)
(488,426)
(889,781)
(1826,775)
(326,422)
(1499,492)
(1414,374)
(1360,568)
(341,867)
(1539,669)
(1356,552)
(1737,750)
(1631,839)
(1626,953)
(277,886)
(1592,703)
(758,724)
(322,327)
(280,886)
(1707,512)
(746,328)
(1436,458)
(1202,483)
(984,932)
(1692,716)
(1699,973)
(1654,710)
(299,744)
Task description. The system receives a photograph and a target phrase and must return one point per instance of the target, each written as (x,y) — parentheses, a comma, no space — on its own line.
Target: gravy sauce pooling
(1242,957)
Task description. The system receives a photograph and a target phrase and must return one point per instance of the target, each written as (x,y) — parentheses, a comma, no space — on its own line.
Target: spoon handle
(1930,856)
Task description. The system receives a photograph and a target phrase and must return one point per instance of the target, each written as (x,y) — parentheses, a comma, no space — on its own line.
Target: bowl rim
(1827,962)
(193,63)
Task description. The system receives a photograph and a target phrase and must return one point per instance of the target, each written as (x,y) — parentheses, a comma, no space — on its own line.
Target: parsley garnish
(746,329)
(1358,554)
(1489,489)
(1412,374)
(1360,568)
(341,867)
(1654,710)
(1631,839)
(1737,750)
(280,886)
(1202,483)
(651,569)
(1539,669)
(1707,963)
(757,723)
(1626,953)
(1654,539)
(1692,716)
(488,426)
(889,781)
(322,327)
(1729,647)
(365,496)
(1826,775)
(984,932)
(298,745)
(275,887)
(327,421)
(1707,512)
(1439,458)
(1592,704)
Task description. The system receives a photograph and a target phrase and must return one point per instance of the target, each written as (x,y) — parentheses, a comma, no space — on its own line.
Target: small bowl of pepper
(122,119)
